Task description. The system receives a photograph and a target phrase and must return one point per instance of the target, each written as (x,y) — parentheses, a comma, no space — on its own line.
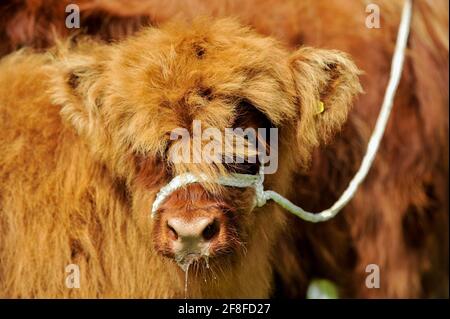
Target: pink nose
(193,231)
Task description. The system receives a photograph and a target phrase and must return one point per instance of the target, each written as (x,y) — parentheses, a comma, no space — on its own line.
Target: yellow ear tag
(321,108)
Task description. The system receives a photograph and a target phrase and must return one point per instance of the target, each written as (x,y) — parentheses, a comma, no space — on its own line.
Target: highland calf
(85,142)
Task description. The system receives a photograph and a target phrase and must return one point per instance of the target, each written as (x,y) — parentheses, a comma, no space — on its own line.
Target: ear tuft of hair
(322,76)
(76,81)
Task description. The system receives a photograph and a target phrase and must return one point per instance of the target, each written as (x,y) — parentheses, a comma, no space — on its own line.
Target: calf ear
(78,78)
(326,83)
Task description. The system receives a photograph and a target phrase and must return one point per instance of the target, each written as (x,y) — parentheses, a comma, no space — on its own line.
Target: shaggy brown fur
(85,139)
(399,219)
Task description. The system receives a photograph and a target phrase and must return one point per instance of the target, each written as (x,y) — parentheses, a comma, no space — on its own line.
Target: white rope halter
(256,181)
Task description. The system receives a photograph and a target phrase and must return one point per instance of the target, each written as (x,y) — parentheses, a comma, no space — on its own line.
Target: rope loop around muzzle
(240,181)
(257,181)
(232,180)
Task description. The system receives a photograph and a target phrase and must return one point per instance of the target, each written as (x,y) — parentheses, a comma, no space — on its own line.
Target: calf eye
(248,115)
(243,168)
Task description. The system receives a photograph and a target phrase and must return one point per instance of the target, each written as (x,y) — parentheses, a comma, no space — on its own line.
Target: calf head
(126,99)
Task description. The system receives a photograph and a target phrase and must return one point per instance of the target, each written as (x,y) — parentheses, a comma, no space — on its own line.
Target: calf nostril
(172,232)
(191,230)
(211,230)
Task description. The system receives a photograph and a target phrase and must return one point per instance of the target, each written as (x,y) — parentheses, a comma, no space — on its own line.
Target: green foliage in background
(322,289)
